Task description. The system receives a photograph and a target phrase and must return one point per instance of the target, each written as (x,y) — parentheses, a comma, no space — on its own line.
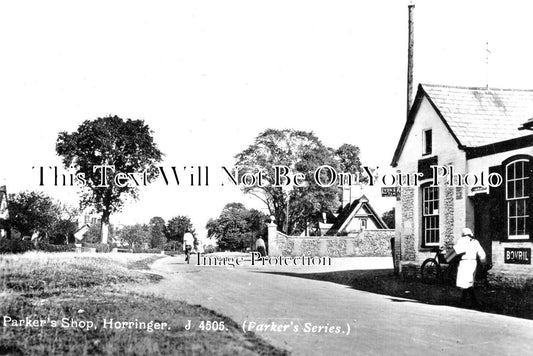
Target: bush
(15,246)
(146,250)
(55,248)
(99,247)
(210,249)
(173,246)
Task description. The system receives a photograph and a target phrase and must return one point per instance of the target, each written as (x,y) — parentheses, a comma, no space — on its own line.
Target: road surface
(345,320)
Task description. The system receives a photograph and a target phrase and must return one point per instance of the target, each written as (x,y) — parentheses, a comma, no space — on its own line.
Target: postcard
(266,178)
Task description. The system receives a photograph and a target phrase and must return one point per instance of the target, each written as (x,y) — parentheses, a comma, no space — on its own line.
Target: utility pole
(410,44)
(487,65)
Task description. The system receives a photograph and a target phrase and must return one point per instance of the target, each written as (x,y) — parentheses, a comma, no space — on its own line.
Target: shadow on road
(505,300)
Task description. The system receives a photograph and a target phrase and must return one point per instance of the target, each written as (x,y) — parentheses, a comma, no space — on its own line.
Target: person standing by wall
(469,249)
(260,246)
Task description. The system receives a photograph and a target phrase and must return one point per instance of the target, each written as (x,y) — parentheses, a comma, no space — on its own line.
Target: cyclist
(188,242)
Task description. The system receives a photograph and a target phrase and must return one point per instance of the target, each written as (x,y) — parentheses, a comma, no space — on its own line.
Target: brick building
(480,132)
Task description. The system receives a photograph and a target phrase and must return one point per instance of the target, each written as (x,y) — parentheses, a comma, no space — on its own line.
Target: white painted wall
(448,152)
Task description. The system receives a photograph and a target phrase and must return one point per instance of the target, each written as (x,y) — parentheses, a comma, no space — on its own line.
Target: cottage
(479,132)
(356,214)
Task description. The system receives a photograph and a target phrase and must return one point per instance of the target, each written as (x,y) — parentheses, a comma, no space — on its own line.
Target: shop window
(430,216)
(427,142)
(517,198)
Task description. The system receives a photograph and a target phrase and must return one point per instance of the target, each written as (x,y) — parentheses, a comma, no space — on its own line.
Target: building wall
(454,209)
(500,269)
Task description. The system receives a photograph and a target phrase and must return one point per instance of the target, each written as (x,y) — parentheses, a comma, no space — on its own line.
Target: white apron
(465,273)
(471,249)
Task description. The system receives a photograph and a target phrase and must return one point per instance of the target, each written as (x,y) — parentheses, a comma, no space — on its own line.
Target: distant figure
(260,246)
(469,249)
(188,242)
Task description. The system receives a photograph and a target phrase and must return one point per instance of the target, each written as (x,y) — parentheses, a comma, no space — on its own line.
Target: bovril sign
(517,255)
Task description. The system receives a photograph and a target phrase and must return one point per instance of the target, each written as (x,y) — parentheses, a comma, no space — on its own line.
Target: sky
(209,76)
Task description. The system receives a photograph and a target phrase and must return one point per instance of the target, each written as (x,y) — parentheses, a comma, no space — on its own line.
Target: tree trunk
(105,226)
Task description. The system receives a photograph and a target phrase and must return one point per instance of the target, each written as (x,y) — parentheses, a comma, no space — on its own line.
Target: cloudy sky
(208,76)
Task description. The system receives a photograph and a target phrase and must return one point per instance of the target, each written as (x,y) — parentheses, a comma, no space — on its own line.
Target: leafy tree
(178,226)
(31,211)
(66,225)
(135,235)
(348,157)
(157,232)
(237,227)
(389,219)
(302,152)
(127,145)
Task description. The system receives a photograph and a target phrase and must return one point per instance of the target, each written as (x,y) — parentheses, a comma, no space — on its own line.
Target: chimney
(410,43)
(351,193)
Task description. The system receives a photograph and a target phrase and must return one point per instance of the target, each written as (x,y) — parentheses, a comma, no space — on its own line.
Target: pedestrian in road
(188,242)
(469,250)
(260,246)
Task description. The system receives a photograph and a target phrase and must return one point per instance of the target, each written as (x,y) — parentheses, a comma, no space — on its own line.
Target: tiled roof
(481,116)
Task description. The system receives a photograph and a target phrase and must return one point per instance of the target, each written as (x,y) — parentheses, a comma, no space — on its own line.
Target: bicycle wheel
(430,271)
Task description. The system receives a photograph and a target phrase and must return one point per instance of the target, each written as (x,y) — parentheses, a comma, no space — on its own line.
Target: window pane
(510,171)
(512,226)
(519,188)
(520,207)
(510,190)
(521,226)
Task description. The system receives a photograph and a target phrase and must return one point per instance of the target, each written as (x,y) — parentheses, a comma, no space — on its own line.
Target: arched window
(516,195)
(430,216)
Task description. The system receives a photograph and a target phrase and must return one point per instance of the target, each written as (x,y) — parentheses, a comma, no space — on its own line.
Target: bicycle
(436,269)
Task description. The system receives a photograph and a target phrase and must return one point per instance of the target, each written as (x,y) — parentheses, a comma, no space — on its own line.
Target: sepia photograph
(245,177)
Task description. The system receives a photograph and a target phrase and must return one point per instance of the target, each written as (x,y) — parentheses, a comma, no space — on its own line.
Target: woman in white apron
(469,249)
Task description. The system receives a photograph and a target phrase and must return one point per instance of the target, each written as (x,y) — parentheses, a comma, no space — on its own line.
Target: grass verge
(73,301)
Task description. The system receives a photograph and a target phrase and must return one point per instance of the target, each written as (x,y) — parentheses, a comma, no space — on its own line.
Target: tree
(66,225)
(157,232)
(302,152)
(32,211)
(178,226)
(237,227)
(135,235)
(128,146)
(389,219)
(348,157)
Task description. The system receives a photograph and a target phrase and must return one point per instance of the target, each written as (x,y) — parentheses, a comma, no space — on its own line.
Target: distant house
(356,214)
(477,131)
(3,209)
(89,219)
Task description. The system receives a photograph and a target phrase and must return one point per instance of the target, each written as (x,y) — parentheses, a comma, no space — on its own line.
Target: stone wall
(375,243)
(407,223)
(506,271)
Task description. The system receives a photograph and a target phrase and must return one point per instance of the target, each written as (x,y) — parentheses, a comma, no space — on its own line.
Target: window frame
(525,179)
(424,222)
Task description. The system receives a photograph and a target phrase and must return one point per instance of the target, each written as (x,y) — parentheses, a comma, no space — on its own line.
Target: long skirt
(466,273)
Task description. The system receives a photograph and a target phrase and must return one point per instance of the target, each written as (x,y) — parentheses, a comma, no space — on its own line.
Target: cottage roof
(475,117)
(348,212)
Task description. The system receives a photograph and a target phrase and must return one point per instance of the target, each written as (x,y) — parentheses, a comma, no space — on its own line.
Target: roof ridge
(474,88)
